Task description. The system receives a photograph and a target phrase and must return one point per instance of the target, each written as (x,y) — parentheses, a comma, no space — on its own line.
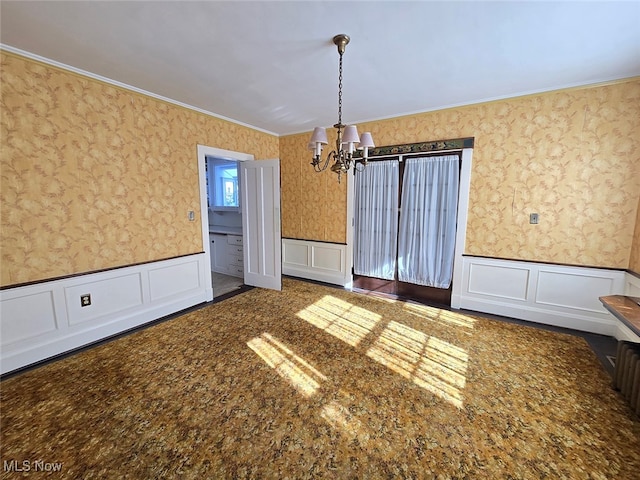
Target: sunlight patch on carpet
(431,363)
(297,371)
(341,319)
(341,418)
(436,314)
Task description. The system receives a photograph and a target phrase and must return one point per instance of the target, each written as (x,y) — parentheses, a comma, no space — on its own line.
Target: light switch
(533,218)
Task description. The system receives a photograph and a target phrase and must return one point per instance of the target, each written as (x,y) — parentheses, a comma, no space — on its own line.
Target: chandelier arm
(316,165)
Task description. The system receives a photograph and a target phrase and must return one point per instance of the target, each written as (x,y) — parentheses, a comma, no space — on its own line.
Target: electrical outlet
(191,215)
(85,300)
(533,218)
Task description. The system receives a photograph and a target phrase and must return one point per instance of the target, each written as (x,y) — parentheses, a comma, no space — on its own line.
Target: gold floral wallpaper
(572,156)
(95,176)
(313,204)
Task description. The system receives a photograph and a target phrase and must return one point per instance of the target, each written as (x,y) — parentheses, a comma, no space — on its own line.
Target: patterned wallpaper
(313,204)
(95,177)
(572,156)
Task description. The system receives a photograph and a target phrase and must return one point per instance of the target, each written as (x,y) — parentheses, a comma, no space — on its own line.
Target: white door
(261,223)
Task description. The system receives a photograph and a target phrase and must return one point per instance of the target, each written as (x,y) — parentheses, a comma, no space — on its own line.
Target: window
(222,184)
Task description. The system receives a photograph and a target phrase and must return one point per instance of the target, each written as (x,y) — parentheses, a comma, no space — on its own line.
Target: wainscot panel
(578,290)
(564,296)
(47,319)
(324,262)
(173,280)
(498,281)
(109,296)
(33,315)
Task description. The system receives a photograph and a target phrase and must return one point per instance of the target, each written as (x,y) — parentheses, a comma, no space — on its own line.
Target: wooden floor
(404,290)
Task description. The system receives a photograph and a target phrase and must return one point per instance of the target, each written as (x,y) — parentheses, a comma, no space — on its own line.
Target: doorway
(251,252)
(221,219)
(405,226)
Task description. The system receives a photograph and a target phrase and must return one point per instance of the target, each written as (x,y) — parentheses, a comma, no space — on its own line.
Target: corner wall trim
(631,289)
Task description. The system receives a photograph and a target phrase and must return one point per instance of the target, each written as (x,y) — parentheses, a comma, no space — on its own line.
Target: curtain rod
(401,156)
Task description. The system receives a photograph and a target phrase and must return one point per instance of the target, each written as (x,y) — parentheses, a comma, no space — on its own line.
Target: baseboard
(624,333)
(584,323)
(47,319)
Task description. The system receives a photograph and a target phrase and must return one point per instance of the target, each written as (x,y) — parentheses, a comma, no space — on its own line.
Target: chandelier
(347,140)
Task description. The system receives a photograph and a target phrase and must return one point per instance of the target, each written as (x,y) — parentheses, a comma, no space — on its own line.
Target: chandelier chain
(340,93)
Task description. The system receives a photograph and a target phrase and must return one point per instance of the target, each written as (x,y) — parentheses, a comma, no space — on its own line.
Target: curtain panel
(376,215)
(428,216)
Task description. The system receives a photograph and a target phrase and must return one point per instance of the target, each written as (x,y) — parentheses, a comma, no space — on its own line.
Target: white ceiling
(272,64)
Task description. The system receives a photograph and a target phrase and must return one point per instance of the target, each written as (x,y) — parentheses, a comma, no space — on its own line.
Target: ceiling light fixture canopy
(347,140)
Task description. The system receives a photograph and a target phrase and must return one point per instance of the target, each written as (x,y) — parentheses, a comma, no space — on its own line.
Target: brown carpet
(318,382)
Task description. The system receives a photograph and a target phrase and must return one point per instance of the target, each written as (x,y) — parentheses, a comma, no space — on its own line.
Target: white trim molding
(46,319)
(631,289)
(461,231)
(564,296)
(632,285)
(324,262)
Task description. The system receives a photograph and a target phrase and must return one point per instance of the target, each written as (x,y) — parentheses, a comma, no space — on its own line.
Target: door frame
(203,151)
(461,231)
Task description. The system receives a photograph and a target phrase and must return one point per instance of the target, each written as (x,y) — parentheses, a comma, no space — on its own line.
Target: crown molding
(100,78)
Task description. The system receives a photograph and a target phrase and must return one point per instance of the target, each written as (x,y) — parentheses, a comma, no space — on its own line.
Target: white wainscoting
(632,289)
(324,262)
(632,285)
(46,319)
(557,295)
